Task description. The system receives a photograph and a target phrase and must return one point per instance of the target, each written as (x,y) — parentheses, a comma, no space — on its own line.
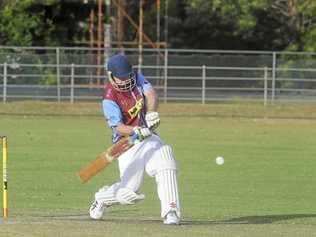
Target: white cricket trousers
(156,158)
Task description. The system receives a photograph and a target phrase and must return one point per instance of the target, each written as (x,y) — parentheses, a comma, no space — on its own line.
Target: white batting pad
(126,196)
(167,188)
(167,159)
(106,195)
(162,159)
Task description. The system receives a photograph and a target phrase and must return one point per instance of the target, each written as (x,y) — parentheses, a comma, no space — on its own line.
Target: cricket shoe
(172,219)
(96,210)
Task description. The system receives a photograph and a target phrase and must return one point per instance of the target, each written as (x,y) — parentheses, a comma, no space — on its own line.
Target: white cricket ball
(219,160)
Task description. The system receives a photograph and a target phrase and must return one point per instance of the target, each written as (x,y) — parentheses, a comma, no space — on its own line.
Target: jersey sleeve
(112,113)
(143,82)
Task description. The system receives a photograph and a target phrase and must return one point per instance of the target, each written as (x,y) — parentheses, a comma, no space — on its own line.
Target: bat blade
(105,158)
(93,168)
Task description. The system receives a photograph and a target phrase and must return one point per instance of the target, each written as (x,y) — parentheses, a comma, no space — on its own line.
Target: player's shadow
(266,219)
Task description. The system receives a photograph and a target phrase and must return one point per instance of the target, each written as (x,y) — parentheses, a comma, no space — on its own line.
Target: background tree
(265,24)
(38,23)
(199,24)
(18,26)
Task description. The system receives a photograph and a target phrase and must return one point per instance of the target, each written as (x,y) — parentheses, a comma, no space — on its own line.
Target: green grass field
(265,188)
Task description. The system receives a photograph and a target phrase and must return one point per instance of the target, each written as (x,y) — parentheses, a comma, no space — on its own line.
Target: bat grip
(134,137)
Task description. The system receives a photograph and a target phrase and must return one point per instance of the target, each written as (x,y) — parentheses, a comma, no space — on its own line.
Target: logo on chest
(134,111)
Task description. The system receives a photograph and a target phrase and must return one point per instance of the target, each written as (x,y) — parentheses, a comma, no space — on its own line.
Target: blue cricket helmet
(119,66)
(120,72)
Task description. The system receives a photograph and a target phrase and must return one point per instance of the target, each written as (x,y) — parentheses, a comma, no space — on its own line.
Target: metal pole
(273,76)
(166,22)
(158,22)
(265,96)
(91,36)
(107,43)
(107,32)
(72,83)
(5,67)
(166,77)
(58,73)
(91,27)
(99,43)
(203,83)
(158,41)
(140,36)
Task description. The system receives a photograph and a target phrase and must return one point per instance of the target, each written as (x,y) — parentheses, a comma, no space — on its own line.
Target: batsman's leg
(163,166)
(131,166)
(104,198)
(168,194)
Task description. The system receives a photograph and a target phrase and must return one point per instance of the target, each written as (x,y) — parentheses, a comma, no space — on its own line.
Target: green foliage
(42,23)
(247,24)
(48,79)
(309,39)
(16,24)
(210,24)
(22,23)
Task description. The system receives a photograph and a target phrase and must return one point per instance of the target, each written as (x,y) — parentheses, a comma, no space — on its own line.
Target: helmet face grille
(123,85)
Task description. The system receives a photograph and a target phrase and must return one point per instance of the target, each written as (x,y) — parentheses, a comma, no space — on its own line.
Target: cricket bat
(105,158)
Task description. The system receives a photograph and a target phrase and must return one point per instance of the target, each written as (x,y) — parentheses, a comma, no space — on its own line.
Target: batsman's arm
(152,116)
(124,130)
(136,133)
(151,99)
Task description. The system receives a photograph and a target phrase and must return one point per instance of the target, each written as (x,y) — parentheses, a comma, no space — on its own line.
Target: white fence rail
(176,83)
(71,74)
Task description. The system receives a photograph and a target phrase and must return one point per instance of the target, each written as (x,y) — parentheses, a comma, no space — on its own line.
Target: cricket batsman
(130,109)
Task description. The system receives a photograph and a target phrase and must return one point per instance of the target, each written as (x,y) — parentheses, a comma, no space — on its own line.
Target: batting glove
(142,133)
(152,120)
